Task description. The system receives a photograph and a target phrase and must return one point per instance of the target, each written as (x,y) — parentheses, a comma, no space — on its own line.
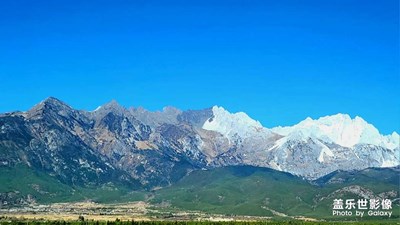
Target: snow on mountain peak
(392,141)
(343,130)
(231,124)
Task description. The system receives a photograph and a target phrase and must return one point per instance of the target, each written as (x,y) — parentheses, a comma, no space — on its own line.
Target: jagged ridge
(151,149)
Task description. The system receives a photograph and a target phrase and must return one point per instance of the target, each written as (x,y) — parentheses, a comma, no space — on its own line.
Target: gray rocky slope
(152,149)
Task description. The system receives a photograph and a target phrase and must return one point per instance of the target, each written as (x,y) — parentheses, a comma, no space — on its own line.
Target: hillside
(247,190)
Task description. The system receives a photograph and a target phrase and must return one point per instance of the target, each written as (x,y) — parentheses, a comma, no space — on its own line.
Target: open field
(72,211)
(142,213)
(90,211)
(142,222)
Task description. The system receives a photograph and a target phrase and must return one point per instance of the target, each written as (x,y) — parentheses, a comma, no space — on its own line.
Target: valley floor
(90,211)
(141,213)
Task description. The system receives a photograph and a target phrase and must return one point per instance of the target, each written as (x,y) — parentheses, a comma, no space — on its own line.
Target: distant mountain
(342,130)
(312,148)
(142,149)
(336,143)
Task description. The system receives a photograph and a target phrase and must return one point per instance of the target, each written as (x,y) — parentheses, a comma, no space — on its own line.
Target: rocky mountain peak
(111,107)
(171,110)
(112,103)
(50,105)
(52,102)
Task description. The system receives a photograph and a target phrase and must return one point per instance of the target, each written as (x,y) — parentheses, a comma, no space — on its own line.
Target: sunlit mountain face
(209,160)
(157,148)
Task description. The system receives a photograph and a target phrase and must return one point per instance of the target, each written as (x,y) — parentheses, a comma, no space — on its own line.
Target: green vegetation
(20,181)
(263,192)
(240,190)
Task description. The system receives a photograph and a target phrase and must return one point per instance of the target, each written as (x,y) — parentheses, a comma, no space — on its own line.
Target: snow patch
(233,125)
(324,151)
(99,107)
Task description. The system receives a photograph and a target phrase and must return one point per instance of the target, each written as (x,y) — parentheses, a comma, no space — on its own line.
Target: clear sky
(279,61)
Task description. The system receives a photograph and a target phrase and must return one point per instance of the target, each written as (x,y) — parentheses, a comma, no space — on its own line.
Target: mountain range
(206,160)
(140,148)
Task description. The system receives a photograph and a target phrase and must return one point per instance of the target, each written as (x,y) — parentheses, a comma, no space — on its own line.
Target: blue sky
(279,61)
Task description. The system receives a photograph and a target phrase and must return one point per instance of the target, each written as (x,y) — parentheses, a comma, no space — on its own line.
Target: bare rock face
(151,149)
(92,148)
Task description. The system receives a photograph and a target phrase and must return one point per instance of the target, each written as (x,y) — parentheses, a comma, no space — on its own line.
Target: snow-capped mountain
(233,125)
(158,148)
(331,143)
(342,130)
(312,148)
